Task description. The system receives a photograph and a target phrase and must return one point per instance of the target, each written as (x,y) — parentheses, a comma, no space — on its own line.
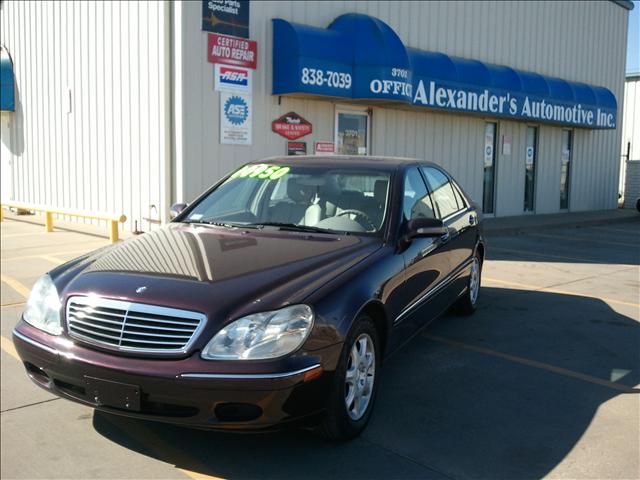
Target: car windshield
(299,198)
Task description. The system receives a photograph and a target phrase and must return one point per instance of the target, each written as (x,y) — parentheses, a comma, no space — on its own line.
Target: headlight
(43,307)
(262,335)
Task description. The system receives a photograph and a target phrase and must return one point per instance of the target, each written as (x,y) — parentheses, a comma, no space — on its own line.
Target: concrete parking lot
(543,381)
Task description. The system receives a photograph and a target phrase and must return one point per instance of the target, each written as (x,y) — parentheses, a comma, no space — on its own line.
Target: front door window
(352,133)
(530,169)
(565,168)
(489,172)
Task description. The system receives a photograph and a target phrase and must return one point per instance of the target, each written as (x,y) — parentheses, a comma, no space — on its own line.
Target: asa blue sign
(360,57)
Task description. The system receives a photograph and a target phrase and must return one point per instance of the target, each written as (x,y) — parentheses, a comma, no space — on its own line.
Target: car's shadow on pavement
(505,393)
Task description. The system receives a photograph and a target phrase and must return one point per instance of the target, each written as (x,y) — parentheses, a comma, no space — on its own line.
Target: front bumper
(190,391)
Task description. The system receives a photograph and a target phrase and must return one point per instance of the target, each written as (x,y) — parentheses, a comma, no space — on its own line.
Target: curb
(490,230)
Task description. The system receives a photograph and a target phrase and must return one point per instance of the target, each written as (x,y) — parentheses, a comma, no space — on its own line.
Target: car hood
(222,272)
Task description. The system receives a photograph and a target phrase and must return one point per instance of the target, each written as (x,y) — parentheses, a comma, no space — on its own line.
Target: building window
(565,168)
(489,187)
(530,158)
(352,132)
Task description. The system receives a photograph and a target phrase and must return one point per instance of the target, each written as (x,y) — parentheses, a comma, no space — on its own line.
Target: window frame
(357,110)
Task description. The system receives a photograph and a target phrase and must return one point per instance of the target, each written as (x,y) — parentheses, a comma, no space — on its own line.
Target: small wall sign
(325,148)
(232,51)
(230,17)
(291,126)
(232,79)
(235,119)
(296,148)
(506,145)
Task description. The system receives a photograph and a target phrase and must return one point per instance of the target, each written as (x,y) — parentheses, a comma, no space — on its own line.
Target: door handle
(472,220)
(445,237)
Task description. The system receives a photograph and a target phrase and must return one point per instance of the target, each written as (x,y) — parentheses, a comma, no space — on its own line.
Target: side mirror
(425,227)
(176,209)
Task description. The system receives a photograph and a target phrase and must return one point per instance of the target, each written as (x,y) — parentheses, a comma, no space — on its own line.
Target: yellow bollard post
(113,233)
(49,221)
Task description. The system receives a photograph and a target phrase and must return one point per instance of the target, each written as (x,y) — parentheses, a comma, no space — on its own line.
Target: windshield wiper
(294,227)
(218,224)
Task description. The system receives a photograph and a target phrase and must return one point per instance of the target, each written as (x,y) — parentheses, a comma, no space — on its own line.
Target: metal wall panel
(109,153)
(578,41)
(105,60)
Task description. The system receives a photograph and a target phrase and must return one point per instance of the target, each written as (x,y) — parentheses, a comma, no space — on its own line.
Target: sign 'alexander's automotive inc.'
(291,126)
(232,51)
(342,62)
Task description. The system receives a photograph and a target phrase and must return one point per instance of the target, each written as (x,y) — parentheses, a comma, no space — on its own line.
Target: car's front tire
(468,303)
(355,383)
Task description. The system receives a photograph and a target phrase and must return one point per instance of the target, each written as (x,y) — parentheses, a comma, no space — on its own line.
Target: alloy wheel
(359,377)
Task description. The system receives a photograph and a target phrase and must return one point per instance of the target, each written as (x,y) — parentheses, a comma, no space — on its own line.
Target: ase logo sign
(232,79)
(235,119)
(236,110)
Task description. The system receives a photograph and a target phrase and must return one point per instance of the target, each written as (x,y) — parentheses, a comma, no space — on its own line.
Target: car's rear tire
(355,383)
(468,303)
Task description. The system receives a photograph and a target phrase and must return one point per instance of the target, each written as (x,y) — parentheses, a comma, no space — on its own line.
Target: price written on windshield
(325,78)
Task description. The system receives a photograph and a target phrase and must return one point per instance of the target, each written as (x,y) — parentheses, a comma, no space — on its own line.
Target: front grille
(132,327)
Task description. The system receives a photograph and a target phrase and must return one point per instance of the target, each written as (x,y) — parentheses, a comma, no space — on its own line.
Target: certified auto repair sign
(232,50)
(291,126)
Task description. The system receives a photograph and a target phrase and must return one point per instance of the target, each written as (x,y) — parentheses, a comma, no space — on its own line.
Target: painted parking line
(53,255)
(582,239)
(18,286)
(532,363)
(161,448)
(7,347)
(52,259)
(13,304)
(544,255)
(615,230)
(537,288)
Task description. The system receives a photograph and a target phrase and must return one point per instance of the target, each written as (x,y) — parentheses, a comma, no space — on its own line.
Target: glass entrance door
(530,169)
(488,182)
(565,168)
(352,132)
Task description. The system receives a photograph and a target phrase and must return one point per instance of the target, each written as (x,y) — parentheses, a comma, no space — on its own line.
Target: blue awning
(7,85)
(361,58)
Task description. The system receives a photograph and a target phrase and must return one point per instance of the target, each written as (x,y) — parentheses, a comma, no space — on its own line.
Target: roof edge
(626,4)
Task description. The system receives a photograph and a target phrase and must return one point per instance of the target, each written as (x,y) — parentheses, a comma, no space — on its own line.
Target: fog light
(237,412)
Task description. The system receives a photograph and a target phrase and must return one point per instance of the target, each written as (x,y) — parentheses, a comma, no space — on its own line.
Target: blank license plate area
(113,394)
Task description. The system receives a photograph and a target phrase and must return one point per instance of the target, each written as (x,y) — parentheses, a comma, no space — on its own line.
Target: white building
(630,154)
(116,108)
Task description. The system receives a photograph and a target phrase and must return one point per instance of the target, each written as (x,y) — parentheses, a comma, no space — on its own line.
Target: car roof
(349,161)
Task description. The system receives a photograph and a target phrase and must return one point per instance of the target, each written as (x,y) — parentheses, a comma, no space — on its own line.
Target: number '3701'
(325,78)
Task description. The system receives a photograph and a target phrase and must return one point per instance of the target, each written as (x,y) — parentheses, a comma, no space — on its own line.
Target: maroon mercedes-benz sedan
(273,298)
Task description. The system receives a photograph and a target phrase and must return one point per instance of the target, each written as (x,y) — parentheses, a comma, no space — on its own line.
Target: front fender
(339,302)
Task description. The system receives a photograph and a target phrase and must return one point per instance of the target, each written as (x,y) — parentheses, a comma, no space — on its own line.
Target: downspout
(167,196)
(177,103)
